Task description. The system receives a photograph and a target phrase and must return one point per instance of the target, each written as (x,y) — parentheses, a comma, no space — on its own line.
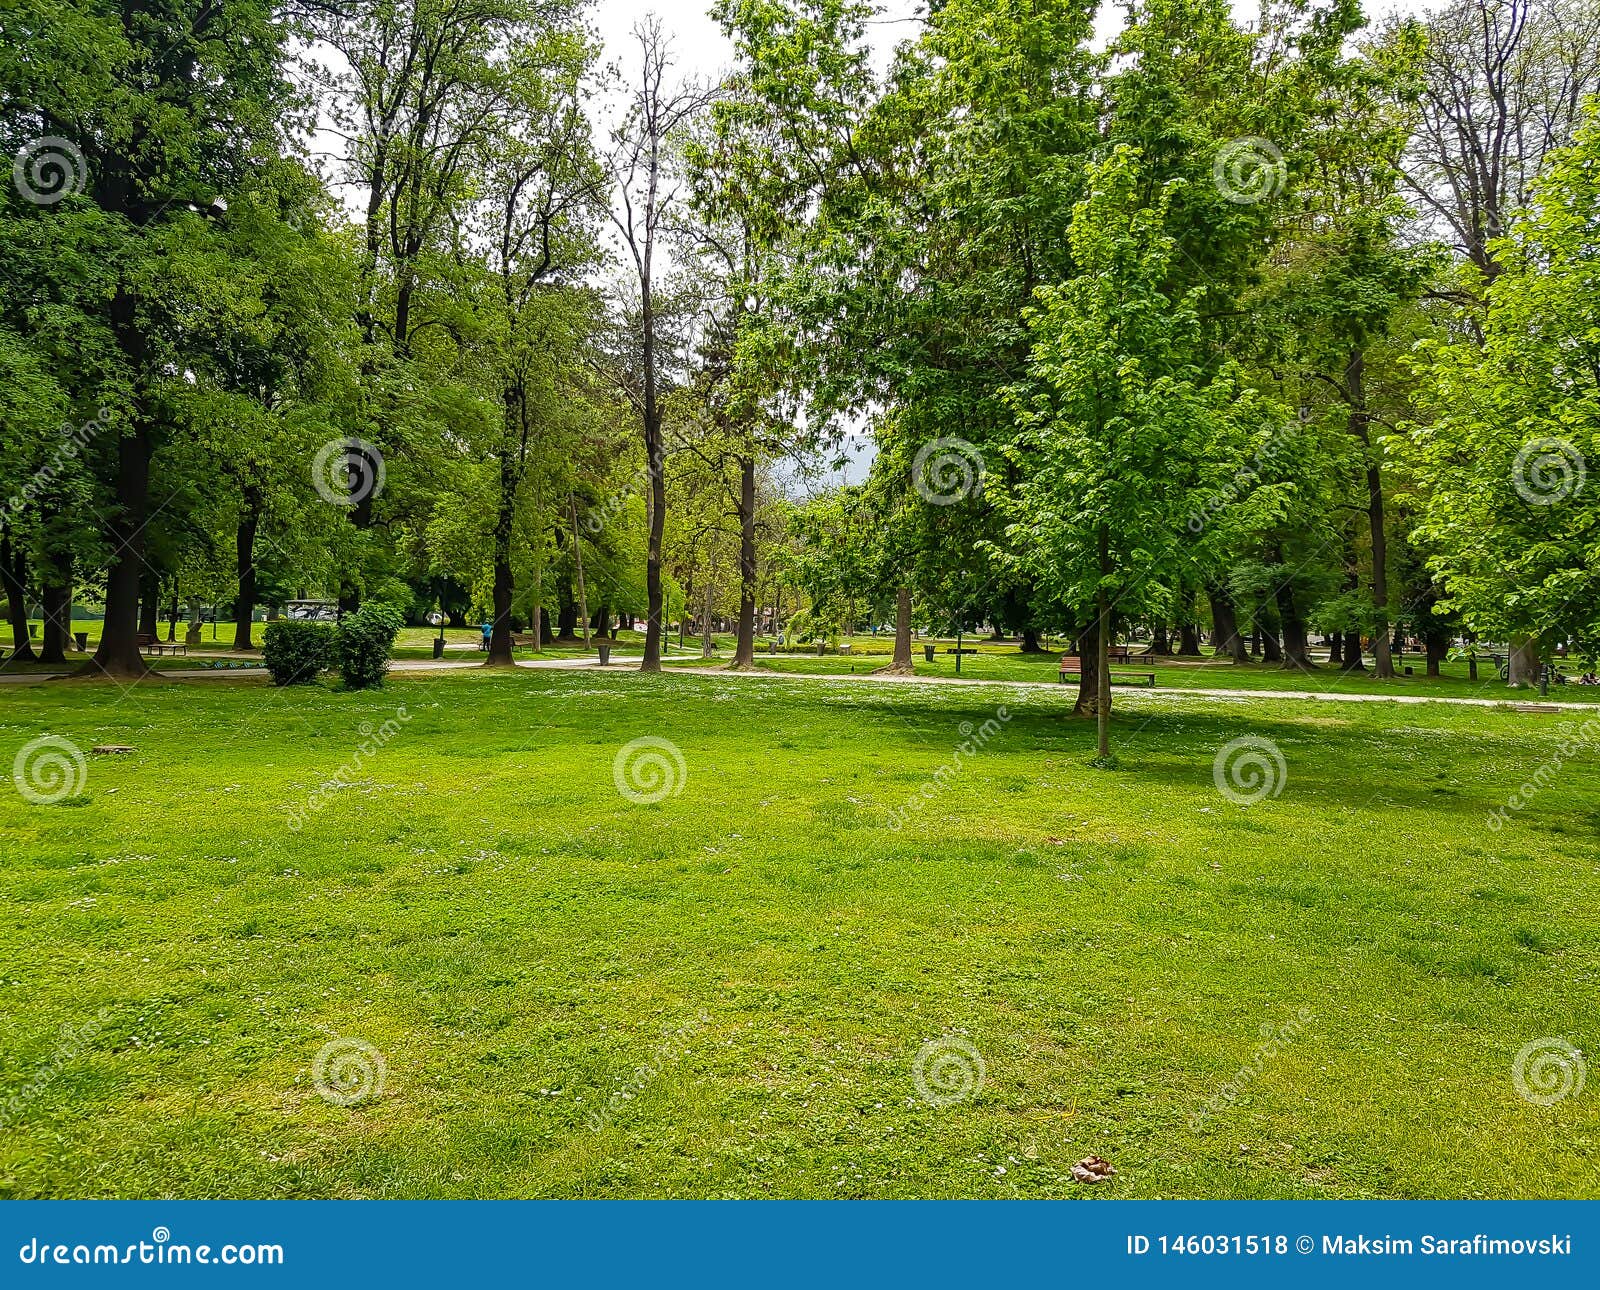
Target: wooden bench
(149,644)
(1072,665)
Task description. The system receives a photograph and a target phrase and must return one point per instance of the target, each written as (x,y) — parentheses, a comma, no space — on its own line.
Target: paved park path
(625,664)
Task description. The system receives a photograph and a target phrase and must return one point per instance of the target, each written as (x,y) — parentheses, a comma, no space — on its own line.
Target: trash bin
(822,648)
(82,641)
(927,652)
(605,652)
(438,647)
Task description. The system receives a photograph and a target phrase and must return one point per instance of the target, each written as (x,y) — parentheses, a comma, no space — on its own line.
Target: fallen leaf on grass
(1092,1169)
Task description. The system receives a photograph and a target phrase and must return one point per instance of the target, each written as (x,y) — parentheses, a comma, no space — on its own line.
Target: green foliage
(1507,471)
(295,652)
(362,644)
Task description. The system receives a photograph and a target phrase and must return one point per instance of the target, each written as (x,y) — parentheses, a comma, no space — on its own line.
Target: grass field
(724,992)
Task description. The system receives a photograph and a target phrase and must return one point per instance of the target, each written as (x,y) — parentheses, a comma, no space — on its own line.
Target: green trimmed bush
(363,643)
(295,652)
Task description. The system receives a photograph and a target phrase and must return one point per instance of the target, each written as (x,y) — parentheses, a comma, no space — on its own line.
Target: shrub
(295,652)
(363,643)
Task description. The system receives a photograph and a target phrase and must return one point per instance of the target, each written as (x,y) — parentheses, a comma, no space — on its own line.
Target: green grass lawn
(734,982)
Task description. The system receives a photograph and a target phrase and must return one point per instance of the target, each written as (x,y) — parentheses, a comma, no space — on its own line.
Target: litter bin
(438,647)
(81,639)
(822,648)
(605,652)
(927,652)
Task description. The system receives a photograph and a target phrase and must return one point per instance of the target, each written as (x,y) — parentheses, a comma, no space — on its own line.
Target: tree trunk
(1436,644)
(149,603)
(1351,653)
(504,525)
(1355,372)
(1162,644)
(1270,652)
(1296,648)
(14,571)
(577,560)
(1336,648)
(57,597)
(1086,645)
(1102,646)
(1030,641)
(707,645)
(1523,661)
(744,649)
(245,557)
(1226,623)
(901,663)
